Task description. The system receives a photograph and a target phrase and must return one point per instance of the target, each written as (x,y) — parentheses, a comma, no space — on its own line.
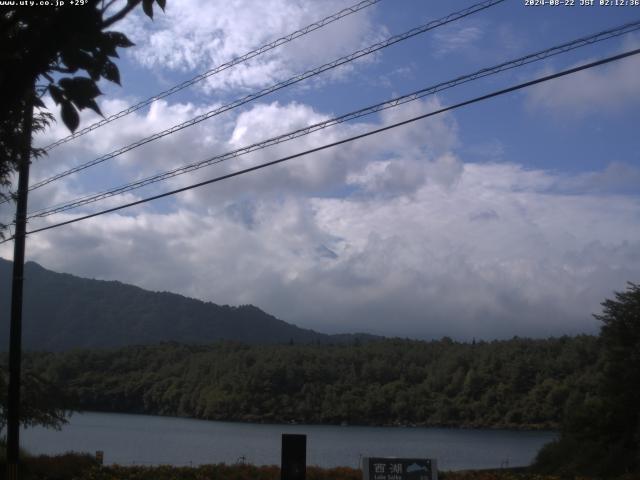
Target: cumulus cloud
(320,173)
(196,36)
(194,143)
(455,39)
(617,177)
(395,234)
(404,176)
(494,255)
(425,145)
(608,88)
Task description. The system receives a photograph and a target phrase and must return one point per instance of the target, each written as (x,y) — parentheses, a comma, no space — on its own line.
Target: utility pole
(15,332)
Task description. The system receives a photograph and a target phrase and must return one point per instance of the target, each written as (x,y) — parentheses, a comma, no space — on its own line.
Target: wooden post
(15,331)
(293,465)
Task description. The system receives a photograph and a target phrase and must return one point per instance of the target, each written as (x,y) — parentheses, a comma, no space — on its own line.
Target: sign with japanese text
(384,468)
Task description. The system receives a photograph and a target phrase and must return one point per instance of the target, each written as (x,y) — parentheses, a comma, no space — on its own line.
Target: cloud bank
(395,235)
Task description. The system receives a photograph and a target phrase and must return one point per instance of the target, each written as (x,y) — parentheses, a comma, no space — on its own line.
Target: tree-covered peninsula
(519,383)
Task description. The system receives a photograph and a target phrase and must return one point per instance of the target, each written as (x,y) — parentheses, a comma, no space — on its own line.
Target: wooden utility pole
(15,332)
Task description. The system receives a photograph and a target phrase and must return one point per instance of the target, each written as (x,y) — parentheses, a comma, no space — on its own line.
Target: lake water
(150,440)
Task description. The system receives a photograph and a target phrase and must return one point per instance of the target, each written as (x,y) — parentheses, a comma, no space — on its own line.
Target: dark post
(15,333)
(293,465)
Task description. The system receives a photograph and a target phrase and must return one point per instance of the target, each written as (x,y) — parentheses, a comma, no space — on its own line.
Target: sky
(517,216)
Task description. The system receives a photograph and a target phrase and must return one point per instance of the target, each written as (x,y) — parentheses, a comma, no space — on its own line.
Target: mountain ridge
(62,311)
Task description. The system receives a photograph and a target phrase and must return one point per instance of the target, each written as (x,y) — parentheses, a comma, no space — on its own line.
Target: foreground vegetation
(73,466)
(249,472)
(519,383)
(601,434)
(590,385)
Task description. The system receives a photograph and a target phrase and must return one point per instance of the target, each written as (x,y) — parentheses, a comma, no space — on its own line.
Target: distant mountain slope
(62,311)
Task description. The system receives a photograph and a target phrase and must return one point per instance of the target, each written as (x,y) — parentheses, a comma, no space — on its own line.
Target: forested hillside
(519,383)
(62,311)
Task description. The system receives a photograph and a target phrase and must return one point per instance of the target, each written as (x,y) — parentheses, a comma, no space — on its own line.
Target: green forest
(586,387)
(519,383)
(241,364)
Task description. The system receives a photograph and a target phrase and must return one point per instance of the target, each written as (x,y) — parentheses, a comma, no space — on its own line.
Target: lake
(150,440)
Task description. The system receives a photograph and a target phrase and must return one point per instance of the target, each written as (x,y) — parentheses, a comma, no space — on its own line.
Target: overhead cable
(278,86)
(235,61)
(527,59)
(341,142)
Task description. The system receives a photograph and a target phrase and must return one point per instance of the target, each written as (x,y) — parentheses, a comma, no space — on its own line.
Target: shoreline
(509,428)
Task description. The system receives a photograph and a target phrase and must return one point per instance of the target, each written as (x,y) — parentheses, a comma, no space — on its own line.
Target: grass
(80,466)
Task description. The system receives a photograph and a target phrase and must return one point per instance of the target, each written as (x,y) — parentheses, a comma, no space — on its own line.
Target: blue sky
(515,216)
(487,38)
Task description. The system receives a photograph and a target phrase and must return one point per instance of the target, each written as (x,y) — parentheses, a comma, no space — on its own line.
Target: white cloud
(196,36)
(412,241)
(404,176)
(188,145)
(617,177)
(494,255)
(609,88)
(455,39)
(421,144)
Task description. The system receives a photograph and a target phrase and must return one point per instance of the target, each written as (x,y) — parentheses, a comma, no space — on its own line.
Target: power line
(235,61)
(530,58)
(280,85)
(295,79)
(346,140)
